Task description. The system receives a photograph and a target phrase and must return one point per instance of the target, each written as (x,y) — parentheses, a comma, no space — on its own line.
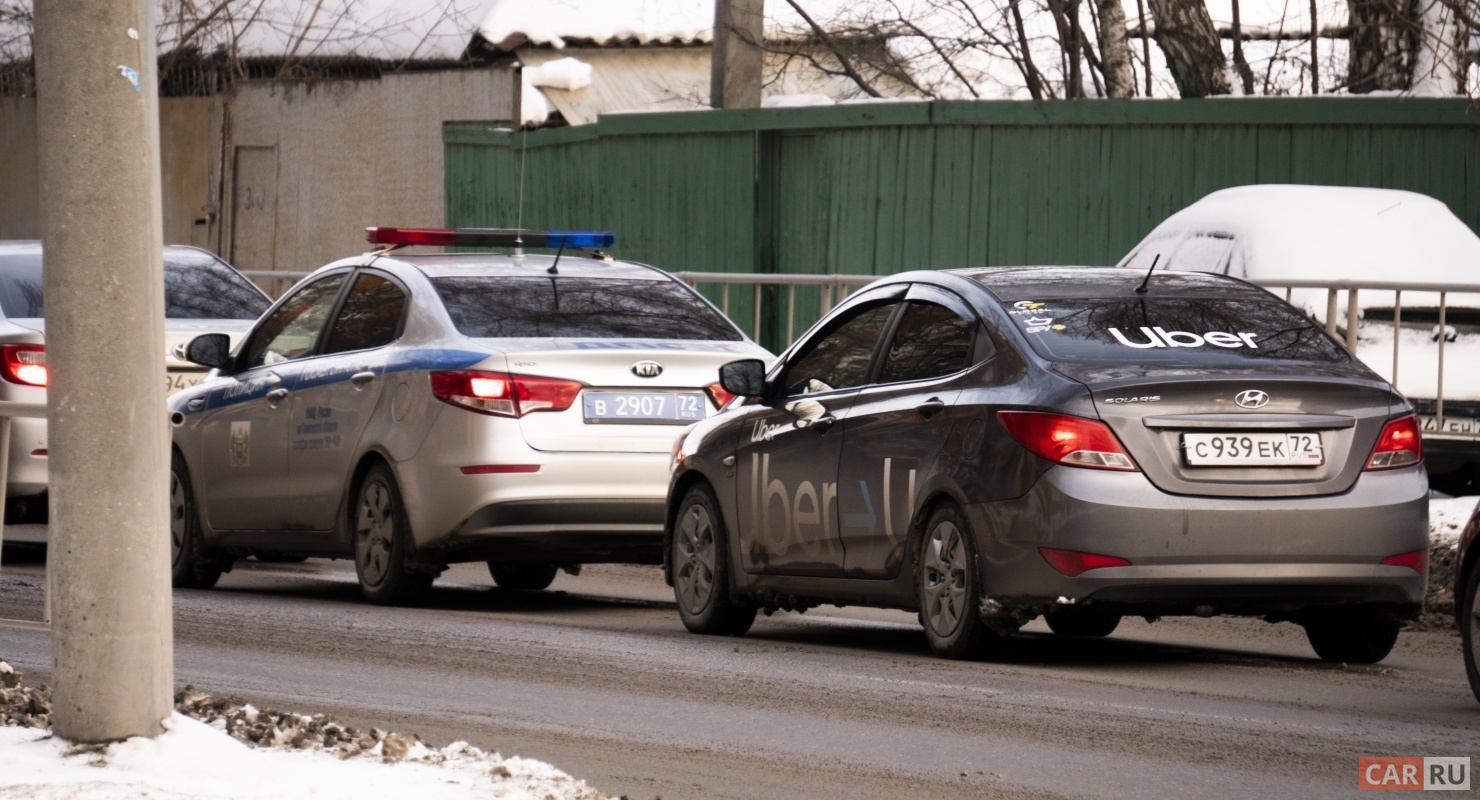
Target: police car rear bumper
(1204,555)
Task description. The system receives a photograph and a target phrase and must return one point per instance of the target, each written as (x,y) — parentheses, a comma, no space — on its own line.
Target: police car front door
(336,399)
(787,462)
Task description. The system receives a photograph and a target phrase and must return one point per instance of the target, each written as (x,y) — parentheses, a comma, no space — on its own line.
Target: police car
(412,411)
(201,293)
(986,447)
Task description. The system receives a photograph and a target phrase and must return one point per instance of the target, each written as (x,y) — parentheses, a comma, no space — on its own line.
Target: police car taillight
(718,394)
(503,395)
(489,237)
(1400,445)
(24,364)
(1071,441)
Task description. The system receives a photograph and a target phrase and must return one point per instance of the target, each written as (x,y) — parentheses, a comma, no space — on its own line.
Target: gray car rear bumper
(1226,555)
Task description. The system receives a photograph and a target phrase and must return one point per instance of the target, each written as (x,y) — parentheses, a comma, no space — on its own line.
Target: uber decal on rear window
(1172,330)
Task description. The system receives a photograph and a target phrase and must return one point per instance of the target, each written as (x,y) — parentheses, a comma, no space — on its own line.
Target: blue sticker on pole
(132,75)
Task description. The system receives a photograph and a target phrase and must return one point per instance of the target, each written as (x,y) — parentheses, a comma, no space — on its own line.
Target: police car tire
(189,566)
(720,614)
(1081,622)
(522,577)
(1469,628)
(949,612)
(397,586)
(1353,636)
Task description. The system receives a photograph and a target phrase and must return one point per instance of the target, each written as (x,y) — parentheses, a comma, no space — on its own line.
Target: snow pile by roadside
(1447,518)
(204,753)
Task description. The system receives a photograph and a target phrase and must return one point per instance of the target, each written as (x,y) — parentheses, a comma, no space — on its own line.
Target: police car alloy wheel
(701,569)
(381,543)
(189,566)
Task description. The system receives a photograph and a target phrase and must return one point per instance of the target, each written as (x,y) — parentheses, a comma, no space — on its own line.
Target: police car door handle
(359,379)
(276,396)
(930,408)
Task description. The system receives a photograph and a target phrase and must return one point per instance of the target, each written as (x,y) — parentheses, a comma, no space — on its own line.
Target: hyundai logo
(1252,398)
(647,369)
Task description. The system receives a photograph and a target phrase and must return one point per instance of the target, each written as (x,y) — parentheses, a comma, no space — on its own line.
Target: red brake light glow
(1071,441)
(1400,445)
(503,395)
(1417,560)
(24,364)
(1073,562)
(718,394)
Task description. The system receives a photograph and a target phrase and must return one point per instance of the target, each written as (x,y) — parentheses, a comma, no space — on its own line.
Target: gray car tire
(1469,628)
(701,569)
(1071,621)
(383,541)
(522,577)
(1353,636)
(949,589)
(190,564)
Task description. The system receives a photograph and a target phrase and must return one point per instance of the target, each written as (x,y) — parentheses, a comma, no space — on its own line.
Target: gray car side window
(931,341)
(292,330)
(370,316)
(839,359)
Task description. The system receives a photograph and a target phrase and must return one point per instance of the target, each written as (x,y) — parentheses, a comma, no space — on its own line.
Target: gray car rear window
(1178,331)
(196,286)
(490,306)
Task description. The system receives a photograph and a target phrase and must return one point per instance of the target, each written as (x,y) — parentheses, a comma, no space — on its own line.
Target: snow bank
(569,74)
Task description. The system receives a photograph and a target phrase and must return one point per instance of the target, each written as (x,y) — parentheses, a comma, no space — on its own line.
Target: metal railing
(831,289)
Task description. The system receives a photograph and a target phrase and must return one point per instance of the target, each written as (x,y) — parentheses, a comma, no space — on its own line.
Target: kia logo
(647,369)
(1252,398)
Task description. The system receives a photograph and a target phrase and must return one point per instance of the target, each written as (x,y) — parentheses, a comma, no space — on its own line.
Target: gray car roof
(1029,283)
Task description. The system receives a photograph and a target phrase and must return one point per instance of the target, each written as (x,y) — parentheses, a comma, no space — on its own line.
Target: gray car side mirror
(209,350)
(746,378)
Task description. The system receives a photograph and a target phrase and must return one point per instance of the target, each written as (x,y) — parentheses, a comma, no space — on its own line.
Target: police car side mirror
(209,350)
(745,378)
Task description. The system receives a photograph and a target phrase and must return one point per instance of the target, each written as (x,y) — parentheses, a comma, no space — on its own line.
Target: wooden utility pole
(735,69)
(108,549)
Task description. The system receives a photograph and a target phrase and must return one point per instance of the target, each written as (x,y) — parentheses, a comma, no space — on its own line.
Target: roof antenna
(1142,288)
(552,270)
(519,217)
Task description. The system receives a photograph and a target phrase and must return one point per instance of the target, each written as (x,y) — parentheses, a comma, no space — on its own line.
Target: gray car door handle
(359,379)
(823,424)
(930,407)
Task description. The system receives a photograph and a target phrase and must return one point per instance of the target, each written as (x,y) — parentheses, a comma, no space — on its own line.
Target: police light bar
(489,237)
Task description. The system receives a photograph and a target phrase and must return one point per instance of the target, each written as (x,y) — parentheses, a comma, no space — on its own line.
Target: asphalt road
(598,676)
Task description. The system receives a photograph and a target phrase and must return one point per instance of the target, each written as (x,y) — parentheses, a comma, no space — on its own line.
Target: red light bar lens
(1071,441)
(1418,560)
(1074,563)
(489,237)
(24,364)
(1400,445)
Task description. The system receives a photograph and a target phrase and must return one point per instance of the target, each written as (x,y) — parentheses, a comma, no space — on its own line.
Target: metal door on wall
(254,208)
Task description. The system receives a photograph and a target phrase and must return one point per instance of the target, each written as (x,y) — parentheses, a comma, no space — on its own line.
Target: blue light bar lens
(583,239)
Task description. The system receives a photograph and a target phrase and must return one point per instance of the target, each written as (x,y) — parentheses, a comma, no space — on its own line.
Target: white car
(1333,233)
(413,411)
(202,293)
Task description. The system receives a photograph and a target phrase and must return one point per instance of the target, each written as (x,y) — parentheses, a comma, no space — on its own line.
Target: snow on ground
(194,759)
(1447,518)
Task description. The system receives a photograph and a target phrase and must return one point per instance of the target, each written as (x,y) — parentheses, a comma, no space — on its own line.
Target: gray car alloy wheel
(944,579)
(693,577)
(374,533)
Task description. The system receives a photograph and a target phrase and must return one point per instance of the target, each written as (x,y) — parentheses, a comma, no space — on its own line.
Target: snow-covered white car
(1271,233)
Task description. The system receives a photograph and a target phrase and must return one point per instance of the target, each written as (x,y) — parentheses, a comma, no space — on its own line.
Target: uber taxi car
(413,411)
(201,293)
(989,446)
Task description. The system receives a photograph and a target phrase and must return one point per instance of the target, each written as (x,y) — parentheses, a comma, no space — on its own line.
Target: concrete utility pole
(735,66)
(98,154)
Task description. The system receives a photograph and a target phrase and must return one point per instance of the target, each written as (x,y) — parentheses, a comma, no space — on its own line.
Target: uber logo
(1413,773)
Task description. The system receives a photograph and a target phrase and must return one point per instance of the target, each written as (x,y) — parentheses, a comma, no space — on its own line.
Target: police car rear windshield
(488,306)
(196,286)
(1171,330)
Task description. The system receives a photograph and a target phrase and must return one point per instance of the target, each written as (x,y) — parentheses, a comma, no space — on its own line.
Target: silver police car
(415,411)
(986,447)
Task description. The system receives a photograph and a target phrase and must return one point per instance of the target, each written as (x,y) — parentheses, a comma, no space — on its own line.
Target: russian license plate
(1459,426)
(1253,449)
(175,380)
(643,408)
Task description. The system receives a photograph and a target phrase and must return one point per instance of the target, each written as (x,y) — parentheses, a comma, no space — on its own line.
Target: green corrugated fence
(882,188)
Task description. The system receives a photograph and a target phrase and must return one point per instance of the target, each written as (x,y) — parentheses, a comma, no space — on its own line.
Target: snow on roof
(513,23)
